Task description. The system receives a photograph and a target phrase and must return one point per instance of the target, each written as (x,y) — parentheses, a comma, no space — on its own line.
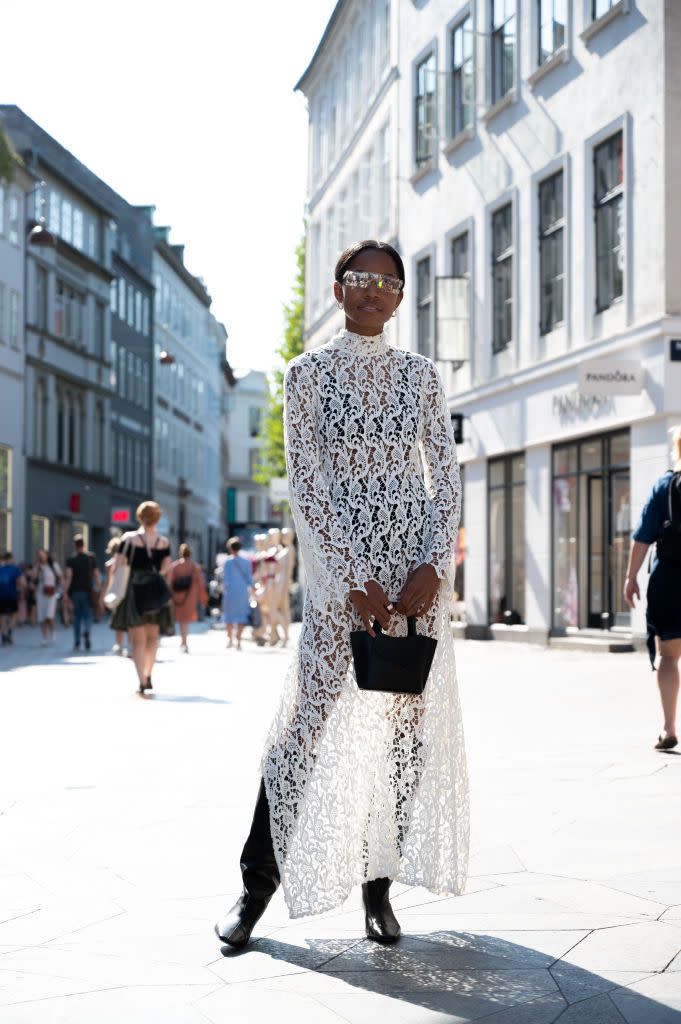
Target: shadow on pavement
(468,975)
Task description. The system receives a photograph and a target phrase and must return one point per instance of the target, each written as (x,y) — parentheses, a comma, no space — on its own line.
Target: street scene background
(175,188)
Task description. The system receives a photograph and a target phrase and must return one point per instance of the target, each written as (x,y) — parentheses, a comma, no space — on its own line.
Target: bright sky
(189,107)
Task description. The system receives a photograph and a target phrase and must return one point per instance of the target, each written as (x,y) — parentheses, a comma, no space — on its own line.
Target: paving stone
(638,947)
(655,1000)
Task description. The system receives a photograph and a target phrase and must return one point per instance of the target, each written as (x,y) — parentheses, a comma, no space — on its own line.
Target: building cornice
(167,254)
(328,32)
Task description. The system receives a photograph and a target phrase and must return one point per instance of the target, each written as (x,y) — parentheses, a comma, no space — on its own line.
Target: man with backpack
(11,587)
(81,578)
(660,524)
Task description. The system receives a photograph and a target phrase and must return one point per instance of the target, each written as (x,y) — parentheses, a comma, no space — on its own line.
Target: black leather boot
(260,877)
(381,923)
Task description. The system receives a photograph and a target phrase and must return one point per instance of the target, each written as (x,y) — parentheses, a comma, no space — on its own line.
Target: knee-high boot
(260,876)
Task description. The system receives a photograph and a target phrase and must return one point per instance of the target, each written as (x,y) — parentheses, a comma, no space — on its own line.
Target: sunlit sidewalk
(122,818)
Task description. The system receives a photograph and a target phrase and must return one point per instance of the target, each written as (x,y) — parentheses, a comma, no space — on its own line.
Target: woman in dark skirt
(145,612)
(663,613)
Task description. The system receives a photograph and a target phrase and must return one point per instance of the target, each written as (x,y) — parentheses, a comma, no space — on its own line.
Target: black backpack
(669,544)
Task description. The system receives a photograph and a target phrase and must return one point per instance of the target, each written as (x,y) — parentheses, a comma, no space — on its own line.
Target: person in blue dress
(663,612)
(237,586)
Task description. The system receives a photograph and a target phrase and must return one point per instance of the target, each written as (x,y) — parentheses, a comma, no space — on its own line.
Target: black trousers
(258,864)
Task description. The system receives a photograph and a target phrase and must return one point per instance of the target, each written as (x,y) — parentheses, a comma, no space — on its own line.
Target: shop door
(609,530)
(620,533)
(598,616)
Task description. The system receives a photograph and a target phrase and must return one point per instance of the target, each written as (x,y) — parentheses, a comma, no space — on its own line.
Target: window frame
(543,63)
(423,159)
(497,260)
(454,129)
(426,302)
(616,194)
(497,33)
(546,235)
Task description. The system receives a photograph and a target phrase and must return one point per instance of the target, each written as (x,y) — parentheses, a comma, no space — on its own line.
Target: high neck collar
(361,345)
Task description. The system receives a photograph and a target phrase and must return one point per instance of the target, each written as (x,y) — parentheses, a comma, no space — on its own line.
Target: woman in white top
(48,579)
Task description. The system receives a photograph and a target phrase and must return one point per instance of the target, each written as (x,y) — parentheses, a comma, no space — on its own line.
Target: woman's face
(42,556)
(367,310)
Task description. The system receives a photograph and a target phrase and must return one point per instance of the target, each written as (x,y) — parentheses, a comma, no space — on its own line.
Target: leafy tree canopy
(272,460)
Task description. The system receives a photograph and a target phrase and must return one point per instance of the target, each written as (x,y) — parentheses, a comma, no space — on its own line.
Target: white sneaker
(125,652)
(116,649)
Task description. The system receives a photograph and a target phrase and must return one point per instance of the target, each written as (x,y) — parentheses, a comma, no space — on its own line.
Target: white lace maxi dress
(367,785)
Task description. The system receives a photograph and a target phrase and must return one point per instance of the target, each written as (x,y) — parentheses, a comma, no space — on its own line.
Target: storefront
(591,532)
(556,475)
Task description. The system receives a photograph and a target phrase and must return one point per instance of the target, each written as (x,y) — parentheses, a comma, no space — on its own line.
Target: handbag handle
(411,625)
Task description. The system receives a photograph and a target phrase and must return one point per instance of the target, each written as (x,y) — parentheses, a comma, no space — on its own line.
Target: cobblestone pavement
(122,818)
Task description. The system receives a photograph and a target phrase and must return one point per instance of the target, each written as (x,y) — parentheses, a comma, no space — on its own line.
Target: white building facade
(538,215)
(351,88)
(186,432)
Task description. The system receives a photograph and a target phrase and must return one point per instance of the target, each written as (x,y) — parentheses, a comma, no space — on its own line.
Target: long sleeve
(333,567)
(443,481)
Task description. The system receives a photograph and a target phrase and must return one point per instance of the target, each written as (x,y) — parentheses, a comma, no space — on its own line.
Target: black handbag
(150,593)
(392,664)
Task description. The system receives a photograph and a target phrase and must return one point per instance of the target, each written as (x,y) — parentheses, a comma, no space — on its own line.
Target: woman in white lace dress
(359,787)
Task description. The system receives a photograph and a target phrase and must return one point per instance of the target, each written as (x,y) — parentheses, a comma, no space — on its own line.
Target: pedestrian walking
(48,581)
(11,588)
(237,588)
(80,579)
(188,588)
(112,547)
(145,610)
(660,524)
(364,787)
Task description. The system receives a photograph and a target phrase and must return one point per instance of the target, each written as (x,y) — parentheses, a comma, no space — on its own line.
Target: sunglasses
(363,278)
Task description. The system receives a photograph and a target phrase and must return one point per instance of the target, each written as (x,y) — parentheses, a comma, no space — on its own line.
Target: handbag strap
(248,582)
(411,625)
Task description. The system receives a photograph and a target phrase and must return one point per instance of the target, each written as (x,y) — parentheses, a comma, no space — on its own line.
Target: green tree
(272,460)
(9,160)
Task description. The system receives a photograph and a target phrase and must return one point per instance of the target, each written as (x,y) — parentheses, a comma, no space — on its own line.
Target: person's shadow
(467,976)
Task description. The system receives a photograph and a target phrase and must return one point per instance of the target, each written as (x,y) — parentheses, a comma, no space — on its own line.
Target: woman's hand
(372,605)
(631,591)
(419,591)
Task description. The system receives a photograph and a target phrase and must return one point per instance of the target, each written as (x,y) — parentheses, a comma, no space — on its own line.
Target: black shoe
(4,639)
(8,638)
(147,683)
(381,923)
(87,642)
(236,926)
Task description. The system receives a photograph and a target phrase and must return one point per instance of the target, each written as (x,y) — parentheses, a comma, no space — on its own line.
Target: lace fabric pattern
(366,785)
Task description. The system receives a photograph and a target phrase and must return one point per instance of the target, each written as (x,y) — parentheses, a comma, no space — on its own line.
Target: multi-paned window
(503,24)
(462,77)
(424,307)
(502,277)
(506,517)
(425,111)
(551,246)
(609,218)
(552,21)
